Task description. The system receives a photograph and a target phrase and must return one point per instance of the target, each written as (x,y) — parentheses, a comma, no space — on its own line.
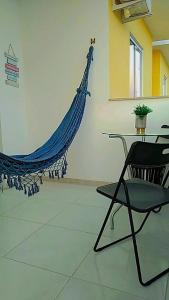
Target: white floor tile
(78,217)
(75,214)
(9,199)
(21,282)
(115,268)
(39,210)
(13,232)
(78,289)
(55,249)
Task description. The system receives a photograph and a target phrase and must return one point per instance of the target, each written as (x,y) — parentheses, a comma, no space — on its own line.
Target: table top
(160,132)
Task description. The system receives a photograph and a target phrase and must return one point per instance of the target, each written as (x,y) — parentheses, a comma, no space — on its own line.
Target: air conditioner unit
(133,9)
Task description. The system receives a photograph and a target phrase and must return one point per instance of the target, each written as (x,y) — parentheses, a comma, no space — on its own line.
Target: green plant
(142,110)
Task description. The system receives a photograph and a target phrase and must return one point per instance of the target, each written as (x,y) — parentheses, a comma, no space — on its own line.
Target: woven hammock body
(25,171)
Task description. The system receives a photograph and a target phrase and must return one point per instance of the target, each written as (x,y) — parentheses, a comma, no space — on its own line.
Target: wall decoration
(11,68)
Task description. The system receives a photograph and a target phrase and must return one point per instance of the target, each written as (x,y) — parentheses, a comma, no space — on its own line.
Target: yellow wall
(119,41)
(160,68)
(156,73)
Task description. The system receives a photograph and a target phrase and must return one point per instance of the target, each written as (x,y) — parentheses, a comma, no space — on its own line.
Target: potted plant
(141,112)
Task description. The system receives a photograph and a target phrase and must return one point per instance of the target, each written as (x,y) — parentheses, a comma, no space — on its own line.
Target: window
(136,56)
(164,85)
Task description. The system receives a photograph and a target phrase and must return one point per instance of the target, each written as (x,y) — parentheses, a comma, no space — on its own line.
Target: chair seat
(144,196)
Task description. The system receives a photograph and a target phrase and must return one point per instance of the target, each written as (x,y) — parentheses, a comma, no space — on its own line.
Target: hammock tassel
(36,188)
(32,189)
(57,174)
(29,192)
(41,181)
(25,191)
(20,187)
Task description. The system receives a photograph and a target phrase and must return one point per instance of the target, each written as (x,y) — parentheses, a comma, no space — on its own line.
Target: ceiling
(158,24)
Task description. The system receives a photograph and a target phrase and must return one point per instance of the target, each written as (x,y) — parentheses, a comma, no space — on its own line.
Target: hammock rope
(25,172)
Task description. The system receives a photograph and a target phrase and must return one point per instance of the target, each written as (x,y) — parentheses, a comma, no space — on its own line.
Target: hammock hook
(92,41)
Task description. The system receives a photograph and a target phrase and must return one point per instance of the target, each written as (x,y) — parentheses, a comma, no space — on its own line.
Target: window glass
(164,86)
(135,69)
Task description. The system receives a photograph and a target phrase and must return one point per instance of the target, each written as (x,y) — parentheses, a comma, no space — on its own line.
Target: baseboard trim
(76,181)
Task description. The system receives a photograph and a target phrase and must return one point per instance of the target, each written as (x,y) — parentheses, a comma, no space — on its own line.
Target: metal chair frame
(128,205)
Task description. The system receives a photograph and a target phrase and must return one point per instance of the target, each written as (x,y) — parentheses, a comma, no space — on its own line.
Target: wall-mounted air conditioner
(133,9)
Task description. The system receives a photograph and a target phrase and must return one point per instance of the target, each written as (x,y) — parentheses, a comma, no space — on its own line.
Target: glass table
(163,133)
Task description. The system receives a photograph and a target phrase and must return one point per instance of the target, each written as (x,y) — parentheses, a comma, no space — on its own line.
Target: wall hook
(92,41)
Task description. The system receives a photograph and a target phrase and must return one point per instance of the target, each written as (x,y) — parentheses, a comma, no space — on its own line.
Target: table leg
(113,215)
(128,171)
(124,148)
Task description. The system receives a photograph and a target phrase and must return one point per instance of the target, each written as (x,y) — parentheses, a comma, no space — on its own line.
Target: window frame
(164,85)
(137,47)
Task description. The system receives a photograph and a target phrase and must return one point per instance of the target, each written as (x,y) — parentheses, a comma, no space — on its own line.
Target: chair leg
(103,226)
(96,249)
(157,210)
(146,283)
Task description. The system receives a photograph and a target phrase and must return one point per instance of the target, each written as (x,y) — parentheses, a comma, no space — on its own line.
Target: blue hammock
(24,172)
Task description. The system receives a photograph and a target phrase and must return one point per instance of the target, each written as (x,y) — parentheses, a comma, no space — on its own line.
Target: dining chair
(138,195)
(164,136)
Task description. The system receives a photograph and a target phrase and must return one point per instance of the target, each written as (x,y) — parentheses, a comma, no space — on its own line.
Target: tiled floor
(46,248)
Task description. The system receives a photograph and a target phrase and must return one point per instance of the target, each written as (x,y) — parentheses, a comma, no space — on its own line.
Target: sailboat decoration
(11,68)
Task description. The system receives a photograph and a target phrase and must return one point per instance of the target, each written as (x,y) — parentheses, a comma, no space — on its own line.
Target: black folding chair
(163,136)
(137,194)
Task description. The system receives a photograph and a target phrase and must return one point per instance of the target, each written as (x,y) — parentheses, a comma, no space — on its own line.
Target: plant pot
(140,123)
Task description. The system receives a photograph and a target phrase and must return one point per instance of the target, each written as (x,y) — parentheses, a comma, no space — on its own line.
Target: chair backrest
(148,161)
(163,136)
(165,126)
(148,154)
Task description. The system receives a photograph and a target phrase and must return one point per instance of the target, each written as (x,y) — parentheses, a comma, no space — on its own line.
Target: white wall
(12,100)
(56,37)
(1,148)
